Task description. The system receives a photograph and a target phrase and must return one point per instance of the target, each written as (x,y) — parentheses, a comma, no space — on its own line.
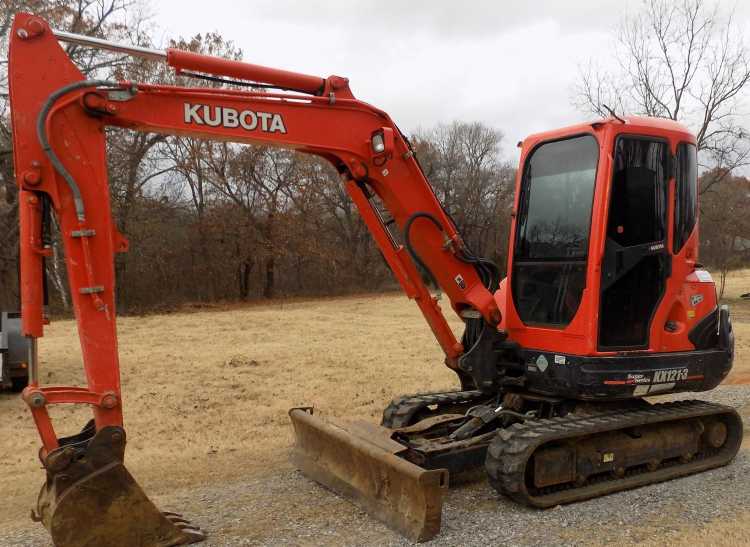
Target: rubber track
(401,410)
(513,447)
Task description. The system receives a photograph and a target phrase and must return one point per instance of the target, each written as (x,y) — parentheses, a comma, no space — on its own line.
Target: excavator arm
(59,122)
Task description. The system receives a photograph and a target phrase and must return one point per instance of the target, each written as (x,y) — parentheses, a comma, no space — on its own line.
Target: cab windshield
(552,230)
(558,187)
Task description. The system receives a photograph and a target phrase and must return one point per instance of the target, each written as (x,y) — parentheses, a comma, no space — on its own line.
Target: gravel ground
(285,508)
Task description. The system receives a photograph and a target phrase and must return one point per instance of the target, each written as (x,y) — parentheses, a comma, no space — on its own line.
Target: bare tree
(341,238)
(725,232)
(686,61)
(120,20)
(257,179)
(462,162)
(214,220)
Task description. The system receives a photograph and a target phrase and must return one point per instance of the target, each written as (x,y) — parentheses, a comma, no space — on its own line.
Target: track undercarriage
(546,452)
(537,450)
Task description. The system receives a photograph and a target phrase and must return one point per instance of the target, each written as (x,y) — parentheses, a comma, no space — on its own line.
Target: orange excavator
(603,303)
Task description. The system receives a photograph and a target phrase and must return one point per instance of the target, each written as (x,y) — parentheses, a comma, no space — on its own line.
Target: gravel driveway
(285,508)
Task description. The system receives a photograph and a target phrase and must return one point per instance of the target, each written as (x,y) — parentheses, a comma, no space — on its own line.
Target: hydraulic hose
(41,130)
(487,270)
(410,248)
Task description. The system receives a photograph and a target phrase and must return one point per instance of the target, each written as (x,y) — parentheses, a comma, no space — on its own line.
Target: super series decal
(661,380)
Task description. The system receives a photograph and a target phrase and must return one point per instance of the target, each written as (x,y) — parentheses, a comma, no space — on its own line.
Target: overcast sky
(508,64)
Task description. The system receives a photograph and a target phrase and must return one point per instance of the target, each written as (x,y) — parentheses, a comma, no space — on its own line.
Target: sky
(510,65)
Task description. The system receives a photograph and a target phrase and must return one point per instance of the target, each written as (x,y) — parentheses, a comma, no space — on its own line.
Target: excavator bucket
(91,500)
(360,461)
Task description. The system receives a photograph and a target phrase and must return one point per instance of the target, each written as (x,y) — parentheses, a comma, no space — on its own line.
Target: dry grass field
(739,283)
(206,391)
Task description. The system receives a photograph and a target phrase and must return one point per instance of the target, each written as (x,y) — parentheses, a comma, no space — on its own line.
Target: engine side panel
(632,374)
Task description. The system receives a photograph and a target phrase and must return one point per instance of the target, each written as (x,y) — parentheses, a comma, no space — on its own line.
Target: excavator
(602,306)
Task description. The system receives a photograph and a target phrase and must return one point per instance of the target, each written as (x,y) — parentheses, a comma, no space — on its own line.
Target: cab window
(552,230)
(686,195)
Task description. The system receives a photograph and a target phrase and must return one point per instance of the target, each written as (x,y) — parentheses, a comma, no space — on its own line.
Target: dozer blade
(359,461)
(91,500)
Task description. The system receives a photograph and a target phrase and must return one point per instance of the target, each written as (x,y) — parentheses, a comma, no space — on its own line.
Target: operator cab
(603,249)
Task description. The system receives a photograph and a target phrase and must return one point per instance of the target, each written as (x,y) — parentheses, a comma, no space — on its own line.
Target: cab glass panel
(552,231)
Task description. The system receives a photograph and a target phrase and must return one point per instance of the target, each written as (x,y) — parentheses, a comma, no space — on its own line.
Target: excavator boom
(59,121)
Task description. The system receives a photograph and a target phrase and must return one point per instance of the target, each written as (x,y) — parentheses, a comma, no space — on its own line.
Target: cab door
(551,248)
(636,261)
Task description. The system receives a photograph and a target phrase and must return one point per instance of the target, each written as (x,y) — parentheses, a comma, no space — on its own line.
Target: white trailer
(14,353)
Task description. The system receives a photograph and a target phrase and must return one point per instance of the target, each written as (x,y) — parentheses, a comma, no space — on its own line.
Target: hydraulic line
(487,270)
(41,129)
(238,83)
(410,248)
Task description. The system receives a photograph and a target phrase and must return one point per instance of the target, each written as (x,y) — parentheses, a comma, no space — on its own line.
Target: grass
(739,283)
(206,392)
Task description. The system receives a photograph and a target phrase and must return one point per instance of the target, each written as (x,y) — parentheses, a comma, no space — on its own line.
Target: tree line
(211,221)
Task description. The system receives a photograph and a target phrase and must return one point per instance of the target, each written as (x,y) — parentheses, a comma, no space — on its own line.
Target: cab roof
(661,127)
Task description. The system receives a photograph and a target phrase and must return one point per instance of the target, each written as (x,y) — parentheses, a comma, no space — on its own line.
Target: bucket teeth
(175,518)
(91,500)
(194,533)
